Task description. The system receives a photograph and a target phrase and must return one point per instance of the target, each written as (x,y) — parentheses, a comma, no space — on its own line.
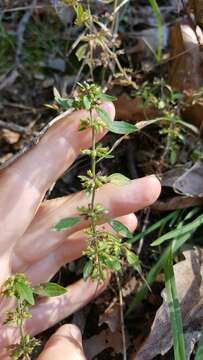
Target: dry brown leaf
(104,340)
(197,6)
(131,109)
(5,158)
(186,181)
(185,71)
(176,202)
(11,137)
(111,317)
(189,283)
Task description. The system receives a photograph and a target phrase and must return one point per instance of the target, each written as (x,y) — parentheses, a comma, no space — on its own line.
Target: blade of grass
(155,270)
(199,353)
(157,15)
(155,226)
(179,231)
(174,309)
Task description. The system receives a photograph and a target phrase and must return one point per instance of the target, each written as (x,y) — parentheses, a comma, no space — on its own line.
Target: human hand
(27,243)
(65,343)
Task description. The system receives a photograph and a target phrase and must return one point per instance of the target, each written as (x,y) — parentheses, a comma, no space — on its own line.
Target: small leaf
(105,97)
(25,292)
(113,263)
(87,270)
(120,229)
(118,179)
(49,289)
(66,223)
(65,103)
(133,260)
(81,52)
(117,127)
(86,102)
(56,93)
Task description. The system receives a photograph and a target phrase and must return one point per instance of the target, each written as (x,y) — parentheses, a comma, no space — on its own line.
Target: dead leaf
(191,182)
(111,317)
(131,109)
(5,158)
(189,282)
(185,71)
(9,136)
(187,182)
(197,6)
(104,340)
(176,202)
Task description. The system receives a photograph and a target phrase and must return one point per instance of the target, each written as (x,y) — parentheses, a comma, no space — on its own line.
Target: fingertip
(70,331)
(109,108)
(130,221)
(153,185)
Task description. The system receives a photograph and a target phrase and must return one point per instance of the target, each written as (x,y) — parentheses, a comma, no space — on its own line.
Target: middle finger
(39,240)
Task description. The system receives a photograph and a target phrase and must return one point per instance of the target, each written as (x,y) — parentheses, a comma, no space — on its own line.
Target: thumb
(66,343)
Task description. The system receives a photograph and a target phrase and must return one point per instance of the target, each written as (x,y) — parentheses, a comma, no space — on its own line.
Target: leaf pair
(26,293)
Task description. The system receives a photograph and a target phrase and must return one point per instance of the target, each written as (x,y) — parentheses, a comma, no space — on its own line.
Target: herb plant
(105,249)
(18,287)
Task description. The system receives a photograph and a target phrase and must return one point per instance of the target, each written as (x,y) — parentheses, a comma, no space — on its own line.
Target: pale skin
(27,243)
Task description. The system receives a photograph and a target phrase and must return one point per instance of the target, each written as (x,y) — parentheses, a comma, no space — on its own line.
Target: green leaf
(174,309)
(65,103)
(25,292)
(120,228)
(160,28)
(133,260)
(87,270)
(199,353)
(81,52)
(177,243)
(159,224)
(113,263)
(118,179)
(86,102)
(66,223)
(49,289)
(179,231)
(117,127)
(105,97)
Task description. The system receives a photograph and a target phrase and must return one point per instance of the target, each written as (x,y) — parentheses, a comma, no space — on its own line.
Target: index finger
(24,183)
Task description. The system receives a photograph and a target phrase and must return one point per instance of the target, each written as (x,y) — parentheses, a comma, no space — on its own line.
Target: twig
(119,6)
(20,32)
(23,8)
(13,127)
(12,75)
(122,317)
(145,223)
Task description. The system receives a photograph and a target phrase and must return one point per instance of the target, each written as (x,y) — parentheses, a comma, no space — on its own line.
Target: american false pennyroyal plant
(18,287)
(105,249)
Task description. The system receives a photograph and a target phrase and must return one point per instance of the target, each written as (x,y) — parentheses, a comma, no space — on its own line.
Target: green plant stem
(114,22)
(20,309)
(92,204)
(90,43)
